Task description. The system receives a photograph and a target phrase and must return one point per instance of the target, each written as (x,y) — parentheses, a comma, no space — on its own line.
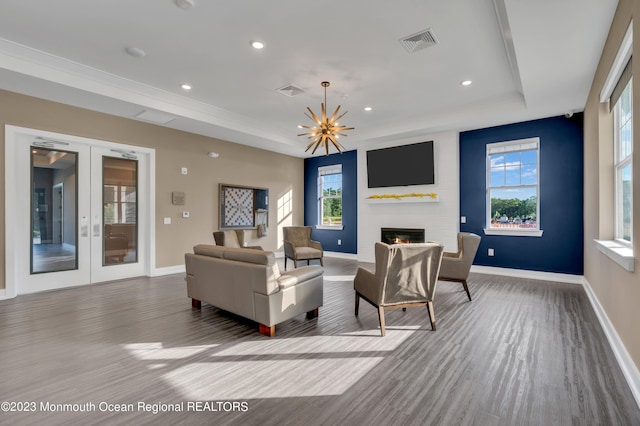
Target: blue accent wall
(560,249)
(349,233)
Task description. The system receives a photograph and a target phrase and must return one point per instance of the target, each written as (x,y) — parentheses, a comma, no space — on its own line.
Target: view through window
(330,195)
(512,185)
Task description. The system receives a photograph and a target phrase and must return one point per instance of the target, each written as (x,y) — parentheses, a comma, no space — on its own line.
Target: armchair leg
(285,263)
(432,315)
(381,319)
(312,314)
(195,303)
(269,331)
(357,303)
(308,262)
(295,263)
(321,264)
(466,288)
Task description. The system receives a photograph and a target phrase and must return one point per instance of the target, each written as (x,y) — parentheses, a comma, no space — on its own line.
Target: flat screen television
(401,165)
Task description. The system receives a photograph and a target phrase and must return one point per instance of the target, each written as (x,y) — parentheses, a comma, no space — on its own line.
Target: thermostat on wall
(177,198)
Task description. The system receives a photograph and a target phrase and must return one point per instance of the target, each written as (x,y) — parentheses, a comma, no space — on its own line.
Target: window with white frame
(623,150)
(513,193)
(330,196)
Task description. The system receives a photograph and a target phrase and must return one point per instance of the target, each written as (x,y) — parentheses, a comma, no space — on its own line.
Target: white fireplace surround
(440,220)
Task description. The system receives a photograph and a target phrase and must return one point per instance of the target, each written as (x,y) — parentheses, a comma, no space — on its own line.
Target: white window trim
(323,171)
(513,232)
(622,254)
(618,165)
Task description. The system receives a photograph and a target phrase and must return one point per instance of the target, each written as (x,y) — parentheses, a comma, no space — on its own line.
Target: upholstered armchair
(233,239)
(456,266)
(405,276)
(298,245)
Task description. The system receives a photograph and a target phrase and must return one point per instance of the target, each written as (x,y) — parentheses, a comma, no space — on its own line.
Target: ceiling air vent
(418,41)
(157,117)
(290,90)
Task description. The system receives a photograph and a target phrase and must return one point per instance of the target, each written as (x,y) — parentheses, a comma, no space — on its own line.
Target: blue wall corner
(349,233)
(560,249)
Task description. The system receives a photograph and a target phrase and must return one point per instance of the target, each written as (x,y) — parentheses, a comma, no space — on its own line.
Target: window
(330,196)
(513,206)
(623,149)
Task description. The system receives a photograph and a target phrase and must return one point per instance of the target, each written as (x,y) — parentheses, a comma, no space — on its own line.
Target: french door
(79,206)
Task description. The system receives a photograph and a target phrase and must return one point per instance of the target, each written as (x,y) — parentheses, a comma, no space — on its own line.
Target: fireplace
(402,235)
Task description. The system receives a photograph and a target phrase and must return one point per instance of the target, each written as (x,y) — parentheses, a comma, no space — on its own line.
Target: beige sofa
(248,283)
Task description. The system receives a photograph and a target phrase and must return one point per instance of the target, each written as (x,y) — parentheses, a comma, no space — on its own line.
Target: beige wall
(617,289)
(237,164)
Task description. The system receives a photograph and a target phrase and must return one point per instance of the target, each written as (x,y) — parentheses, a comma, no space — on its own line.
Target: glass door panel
(119,210)
(54,210)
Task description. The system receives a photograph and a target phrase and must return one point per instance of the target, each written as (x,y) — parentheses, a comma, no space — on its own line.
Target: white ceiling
(528,59)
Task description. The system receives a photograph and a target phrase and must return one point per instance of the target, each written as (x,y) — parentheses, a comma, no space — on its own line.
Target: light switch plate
(463,219)
(167,221)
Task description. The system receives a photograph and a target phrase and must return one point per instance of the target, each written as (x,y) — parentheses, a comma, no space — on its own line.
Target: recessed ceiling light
(186,86)
(466,83)
(185,4)
(300,126)
(136,52)
(257,44)
(368,108)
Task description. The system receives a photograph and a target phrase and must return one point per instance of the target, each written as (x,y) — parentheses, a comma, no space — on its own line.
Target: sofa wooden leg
(195,303)
(321,263)
(357,303)
(312,314)
(267,330)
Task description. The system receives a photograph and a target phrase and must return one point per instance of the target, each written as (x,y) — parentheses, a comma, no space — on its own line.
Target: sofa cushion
(209,250)
(295,276)
(307,253)
(249,255)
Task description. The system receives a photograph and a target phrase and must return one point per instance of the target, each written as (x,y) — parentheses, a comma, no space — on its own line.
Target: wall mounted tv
(401,165)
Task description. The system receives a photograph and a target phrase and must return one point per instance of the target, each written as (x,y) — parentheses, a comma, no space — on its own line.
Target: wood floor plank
(522,352)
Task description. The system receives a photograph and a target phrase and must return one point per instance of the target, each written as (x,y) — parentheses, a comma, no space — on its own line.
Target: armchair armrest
(315,244)
(289,249)
(367,285)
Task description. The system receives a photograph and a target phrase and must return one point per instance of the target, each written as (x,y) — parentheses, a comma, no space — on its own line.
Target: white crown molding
(38,64)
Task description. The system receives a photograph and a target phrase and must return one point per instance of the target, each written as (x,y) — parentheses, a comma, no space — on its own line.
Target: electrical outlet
(167,221)
(185,214)
(184,171)
(490,252)
(339,242)
(463,219)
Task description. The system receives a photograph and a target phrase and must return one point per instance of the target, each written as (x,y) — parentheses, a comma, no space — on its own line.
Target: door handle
(96,227)
(84,227)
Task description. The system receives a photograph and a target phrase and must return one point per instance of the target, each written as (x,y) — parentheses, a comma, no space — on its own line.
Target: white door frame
(16,137)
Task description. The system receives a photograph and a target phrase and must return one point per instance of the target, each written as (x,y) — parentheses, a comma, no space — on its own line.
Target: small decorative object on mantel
(404,196)
(430,197)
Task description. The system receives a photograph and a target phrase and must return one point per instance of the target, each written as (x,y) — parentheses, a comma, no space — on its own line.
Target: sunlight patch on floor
(358,341)
(269,379)
(156,351)
(339,277)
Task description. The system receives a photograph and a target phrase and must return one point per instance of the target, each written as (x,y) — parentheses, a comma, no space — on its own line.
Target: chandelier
(326,129)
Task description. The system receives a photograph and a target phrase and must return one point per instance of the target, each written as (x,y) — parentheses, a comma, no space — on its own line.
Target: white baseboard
(629,368)
(341,255)
(534,275)
(177,269)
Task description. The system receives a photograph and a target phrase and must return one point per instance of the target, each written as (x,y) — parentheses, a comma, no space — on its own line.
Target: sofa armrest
(299,275)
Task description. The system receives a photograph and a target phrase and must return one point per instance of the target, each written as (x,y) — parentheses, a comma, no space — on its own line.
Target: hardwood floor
(523,352)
